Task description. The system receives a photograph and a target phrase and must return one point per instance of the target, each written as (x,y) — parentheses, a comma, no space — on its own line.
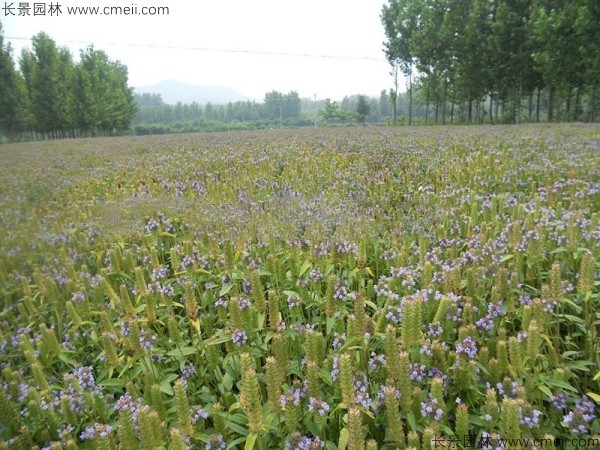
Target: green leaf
(185,351)
(304,268)
(594,396)
(113,382)
(64,358)
(344,436)
(412,423)
(250,441)
(237,428)
(545,390)
(225,289)
(165,386)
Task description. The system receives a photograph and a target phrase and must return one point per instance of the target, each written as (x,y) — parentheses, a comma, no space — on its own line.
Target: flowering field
(351,288)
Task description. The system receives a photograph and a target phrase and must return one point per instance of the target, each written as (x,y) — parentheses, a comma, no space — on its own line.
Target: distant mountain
(173,91)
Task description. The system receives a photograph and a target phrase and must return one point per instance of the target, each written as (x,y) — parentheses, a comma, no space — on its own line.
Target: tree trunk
(550,103)
(537,108)
(576,109)
(568,102)
(491,108)
(410,99)
(469,109)
(444,101)
(593,103)
(452,112)
(427,105)
(530,112)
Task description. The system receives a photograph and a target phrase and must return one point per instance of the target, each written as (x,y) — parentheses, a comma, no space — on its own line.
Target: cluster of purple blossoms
(435,330)
(579,419)
(186,262)
(318,406)
(394,314)
(293,396)
(243,303)
(361,394)
(511,386)
(431,409)
(376,361)
(293,301)
(495,309)
(380,400)
(151,225)
(188,370)
(559,401)
(382,289)
(341,290)
(335,372)
(23,391)
(78,297)
(485,323)
(239,337)
(147,340)
(221,303)
(418,372)
(529,420)
(315,275)
(467,347)
(338,340)
(305,443)
(126,403)
(197,413)
(215,442)
(99,430)
(85,377)
(163,289)
(159,273)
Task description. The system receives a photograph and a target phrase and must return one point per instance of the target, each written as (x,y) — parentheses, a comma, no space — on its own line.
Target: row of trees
(153,115)
(498,57)
(276,107)
(51,96)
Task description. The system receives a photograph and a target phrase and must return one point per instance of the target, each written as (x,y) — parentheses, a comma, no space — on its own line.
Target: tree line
(51,96)
(498,60)
(277,109)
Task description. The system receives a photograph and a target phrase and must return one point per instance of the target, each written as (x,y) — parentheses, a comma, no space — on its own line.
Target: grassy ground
(408,284)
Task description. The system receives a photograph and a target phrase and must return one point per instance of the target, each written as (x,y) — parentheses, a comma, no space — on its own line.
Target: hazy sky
(199,42)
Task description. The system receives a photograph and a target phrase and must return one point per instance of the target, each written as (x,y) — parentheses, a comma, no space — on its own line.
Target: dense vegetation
(53,97)
(497,59)
(343,288)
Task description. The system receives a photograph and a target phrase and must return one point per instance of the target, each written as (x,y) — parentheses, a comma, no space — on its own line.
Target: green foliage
(467,53)
(54,97)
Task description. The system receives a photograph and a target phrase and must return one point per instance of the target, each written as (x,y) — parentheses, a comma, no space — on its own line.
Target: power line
(218,50)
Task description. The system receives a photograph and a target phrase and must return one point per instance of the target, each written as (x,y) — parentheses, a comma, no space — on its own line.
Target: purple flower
(318,406)
(99,430)
(467,347)
(239,337)
(215,442)
(529,420)
(293,301)
(84,376)
(361,394)
(197,413)
(431,409)
(577,420)
(188,370)
(147,340)
(243,303)
(338,340)
(435,329)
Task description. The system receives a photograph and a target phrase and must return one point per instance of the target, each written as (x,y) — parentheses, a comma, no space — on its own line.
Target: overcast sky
(199,42)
